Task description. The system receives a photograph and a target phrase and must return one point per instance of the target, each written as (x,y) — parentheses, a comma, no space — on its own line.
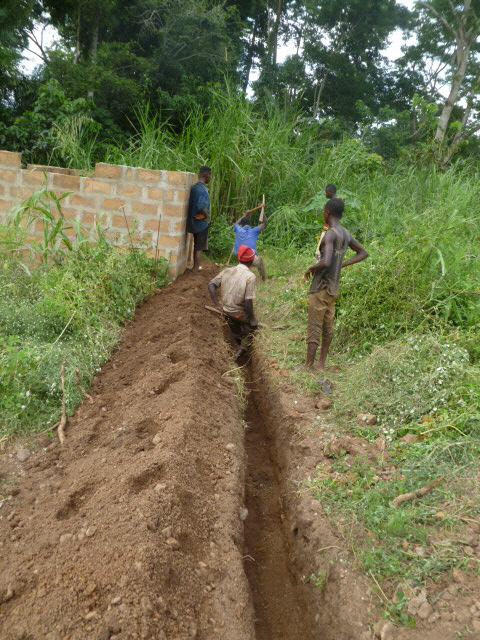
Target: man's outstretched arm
(248,214)
(250,313)
(362,254)
(263,224)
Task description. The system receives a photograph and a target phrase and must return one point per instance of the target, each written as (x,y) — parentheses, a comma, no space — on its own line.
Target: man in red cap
(238,293)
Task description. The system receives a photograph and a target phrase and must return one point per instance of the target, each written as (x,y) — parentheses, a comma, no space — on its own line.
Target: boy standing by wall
(198,216)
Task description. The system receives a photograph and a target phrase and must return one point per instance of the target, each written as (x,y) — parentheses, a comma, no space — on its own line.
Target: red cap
(245,254)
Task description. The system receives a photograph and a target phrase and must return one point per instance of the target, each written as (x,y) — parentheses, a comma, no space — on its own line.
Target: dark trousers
(241,331)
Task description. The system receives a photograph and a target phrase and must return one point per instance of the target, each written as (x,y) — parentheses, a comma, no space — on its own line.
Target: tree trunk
(94,41)
(463,51)
(94,45)
(249,61)
(460,136)
(273,44)
(318,94)
(76,57)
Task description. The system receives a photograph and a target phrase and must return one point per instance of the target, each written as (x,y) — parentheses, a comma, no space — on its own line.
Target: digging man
(237,288)
(246,234)
(325,285)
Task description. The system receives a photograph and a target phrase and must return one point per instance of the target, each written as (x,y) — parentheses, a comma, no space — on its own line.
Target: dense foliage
(325,60)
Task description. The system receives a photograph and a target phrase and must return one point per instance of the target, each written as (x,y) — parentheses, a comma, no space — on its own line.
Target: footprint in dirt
(74,502)
(146,478)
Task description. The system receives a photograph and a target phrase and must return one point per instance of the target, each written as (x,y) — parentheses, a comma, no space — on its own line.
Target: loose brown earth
(132,529)
(138,527)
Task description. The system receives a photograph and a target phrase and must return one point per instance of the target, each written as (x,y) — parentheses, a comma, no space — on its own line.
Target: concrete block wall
(136,206)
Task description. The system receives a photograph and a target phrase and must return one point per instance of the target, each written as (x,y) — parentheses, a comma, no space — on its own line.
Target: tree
(126,52)
(449,36)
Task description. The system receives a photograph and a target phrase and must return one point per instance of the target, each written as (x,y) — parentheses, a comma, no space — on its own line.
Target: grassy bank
(67,310)
(422,383)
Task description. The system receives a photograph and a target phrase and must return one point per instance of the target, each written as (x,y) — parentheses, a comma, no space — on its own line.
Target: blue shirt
(247,236)
(199,201)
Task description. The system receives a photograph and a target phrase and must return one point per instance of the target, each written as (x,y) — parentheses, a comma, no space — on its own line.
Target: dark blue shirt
(246,235)
(199,201)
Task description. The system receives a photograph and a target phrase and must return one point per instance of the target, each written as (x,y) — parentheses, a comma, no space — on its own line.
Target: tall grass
(419,224)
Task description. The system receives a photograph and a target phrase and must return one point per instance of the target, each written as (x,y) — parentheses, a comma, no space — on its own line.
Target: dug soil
(132,528)
(171,512)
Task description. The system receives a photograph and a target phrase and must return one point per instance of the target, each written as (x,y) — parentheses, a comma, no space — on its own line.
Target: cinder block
(6,205)
(81,201)
(16,193)
(178,227)
(87,218)
(119,222)
(171,242)
(10,159)
(173,211)
(69,183)
(34,178)
(126,190)
(154,193)
(150,175)
(91,185)
(113,203)
(46,168)
(176,179)
(70,214)
(12,190)
(110,171)
(152,225)
(7,175)
(142,208)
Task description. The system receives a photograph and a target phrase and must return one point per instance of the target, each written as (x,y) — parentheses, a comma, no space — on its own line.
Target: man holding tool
(248,236)
(237,285)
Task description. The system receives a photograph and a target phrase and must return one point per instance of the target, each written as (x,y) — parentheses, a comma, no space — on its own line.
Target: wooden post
(262,212)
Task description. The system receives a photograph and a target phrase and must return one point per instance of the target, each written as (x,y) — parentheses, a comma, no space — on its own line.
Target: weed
(319,580)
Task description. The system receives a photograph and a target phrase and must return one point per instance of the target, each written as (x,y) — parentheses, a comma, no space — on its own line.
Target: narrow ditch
(281,604)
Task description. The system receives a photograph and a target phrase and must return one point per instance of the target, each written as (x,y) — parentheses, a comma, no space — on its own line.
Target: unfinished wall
(140,206)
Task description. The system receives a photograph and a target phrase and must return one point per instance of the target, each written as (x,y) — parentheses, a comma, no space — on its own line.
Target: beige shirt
(237,284)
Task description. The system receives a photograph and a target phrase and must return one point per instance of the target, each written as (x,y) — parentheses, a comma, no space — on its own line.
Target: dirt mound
(132,529)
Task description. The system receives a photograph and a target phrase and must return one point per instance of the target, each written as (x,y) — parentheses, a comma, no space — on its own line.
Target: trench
(281,607)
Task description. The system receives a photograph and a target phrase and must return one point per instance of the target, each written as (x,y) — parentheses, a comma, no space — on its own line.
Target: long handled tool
(262,212)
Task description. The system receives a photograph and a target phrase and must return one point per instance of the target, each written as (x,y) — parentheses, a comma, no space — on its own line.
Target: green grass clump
(67,312)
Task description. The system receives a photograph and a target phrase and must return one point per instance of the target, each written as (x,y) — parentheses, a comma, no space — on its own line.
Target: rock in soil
(366,419)
(410,438)
(458,576)
(384,630)
(324,404)
(23,454)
